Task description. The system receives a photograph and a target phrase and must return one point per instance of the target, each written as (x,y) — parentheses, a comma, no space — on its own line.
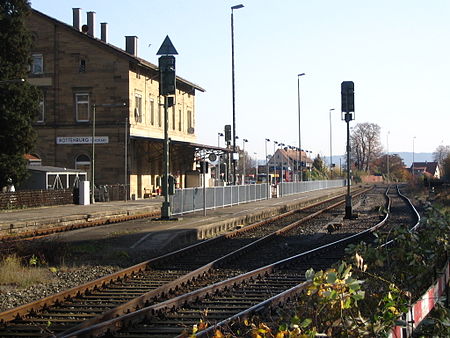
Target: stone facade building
(91,87)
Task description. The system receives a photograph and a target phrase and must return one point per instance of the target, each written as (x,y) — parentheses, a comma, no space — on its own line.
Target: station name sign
(82,140)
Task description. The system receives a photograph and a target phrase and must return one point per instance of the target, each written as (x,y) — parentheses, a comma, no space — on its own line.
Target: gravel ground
(11,297)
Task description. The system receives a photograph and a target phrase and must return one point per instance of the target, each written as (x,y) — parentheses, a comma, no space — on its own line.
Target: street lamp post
(244,141)
(233,90)
(299,124)
(331,148)
(94,107)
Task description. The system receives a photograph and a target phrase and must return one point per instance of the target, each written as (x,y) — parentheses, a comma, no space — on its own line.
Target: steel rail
(35,306)
(140,301)
(294,291)
(117,323)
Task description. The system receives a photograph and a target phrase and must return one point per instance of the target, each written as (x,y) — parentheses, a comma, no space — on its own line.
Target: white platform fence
(197,199)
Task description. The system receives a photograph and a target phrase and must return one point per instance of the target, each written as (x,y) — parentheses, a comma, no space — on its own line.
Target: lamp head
(237,6)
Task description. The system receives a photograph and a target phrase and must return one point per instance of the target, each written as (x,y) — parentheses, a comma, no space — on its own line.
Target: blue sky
(396,52)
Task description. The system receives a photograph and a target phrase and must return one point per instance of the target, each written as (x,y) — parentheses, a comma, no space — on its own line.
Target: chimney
(91,23)
(131,45)
(104,31)
(76,18)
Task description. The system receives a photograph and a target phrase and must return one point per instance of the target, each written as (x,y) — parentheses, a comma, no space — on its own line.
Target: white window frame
(79,102)
(138,108)
(37,63)
(151,105)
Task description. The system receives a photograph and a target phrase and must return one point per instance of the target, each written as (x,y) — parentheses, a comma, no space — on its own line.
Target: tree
(19,101)
(397,170)
(319,169)
(441,153)
(366,145)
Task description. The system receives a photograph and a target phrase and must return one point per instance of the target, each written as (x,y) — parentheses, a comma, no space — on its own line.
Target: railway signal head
(348,100)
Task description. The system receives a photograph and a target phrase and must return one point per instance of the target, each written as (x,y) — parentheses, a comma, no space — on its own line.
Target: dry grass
(14,273)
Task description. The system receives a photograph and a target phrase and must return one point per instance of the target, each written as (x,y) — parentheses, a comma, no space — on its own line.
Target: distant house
(290,161)
(429,169)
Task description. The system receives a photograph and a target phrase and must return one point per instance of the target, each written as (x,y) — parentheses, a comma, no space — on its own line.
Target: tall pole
(413,158)
(256,166)
(94,109)
(387,157)
(348,106)
(218,159)
(233,91)
(267,169)
(126,160)
(331,147)
(243,159)
(93,155)
(167,86)
(299,124)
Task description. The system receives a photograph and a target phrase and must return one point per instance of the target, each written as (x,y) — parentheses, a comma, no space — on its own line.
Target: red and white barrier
(423,306)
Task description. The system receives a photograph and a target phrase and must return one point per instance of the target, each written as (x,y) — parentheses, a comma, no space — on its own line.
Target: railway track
(240,296)
(150,280)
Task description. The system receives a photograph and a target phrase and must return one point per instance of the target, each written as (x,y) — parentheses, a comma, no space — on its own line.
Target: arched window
(83,162)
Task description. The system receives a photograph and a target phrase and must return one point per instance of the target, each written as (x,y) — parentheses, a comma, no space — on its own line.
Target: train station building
(92,89)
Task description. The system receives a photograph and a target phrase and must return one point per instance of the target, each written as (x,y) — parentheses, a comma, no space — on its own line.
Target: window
(190,123)
(179,119)
(40,113)
(138,108)
(152,111)
(82,107)
(37,64)
(82,68)
(173,117)
(83,162)
(159,115)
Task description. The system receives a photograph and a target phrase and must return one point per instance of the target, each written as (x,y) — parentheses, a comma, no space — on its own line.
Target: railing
(196,199)
(290,188)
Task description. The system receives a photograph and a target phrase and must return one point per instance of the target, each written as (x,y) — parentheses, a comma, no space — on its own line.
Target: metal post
(267,170)
(126,159)
(299,124)
(233,91)
(331,148)
(243,160)
(93,156)
(348,198)
(413,159)
(204,184)
(387,157)
(218,159)
(165,210)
